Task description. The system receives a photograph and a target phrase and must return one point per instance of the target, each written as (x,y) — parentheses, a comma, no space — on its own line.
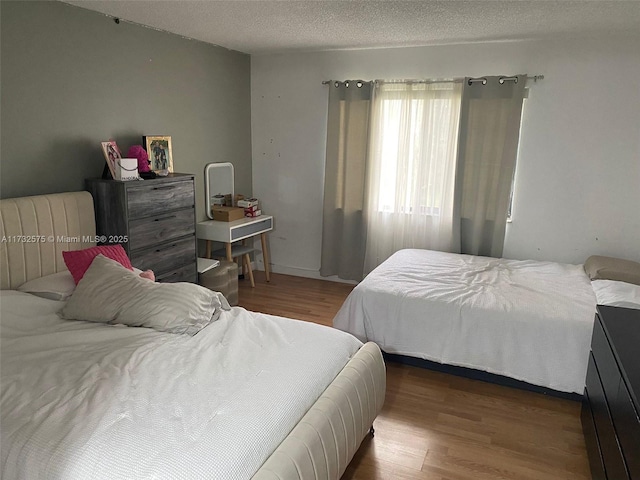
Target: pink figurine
(137,151)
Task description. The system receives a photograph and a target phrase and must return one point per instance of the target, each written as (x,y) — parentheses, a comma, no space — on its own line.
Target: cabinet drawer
(591,440)
(149,231)
(244,231)
(606,362)
(627,423)
(611,454)
(166,257)
(186,273)
(145,200)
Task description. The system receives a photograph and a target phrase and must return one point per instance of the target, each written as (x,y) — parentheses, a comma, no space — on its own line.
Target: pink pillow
(78,261)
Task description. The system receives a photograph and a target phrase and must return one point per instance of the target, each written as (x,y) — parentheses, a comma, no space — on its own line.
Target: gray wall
(72,78)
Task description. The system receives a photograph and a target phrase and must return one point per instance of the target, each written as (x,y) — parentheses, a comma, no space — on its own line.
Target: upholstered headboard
(34,231)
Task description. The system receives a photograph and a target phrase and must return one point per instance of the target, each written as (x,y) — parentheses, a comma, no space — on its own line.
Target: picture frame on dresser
(160,152)
(156,217)
(112,155)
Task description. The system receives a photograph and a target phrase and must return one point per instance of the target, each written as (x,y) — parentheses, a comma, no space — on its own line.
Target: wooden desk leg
(228,247)
(247,262)
(265,255)
(241,263)
(208,251)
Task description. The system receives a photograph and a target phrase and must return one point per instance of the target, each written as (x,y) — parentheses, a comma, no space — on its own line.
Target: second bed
(527,320)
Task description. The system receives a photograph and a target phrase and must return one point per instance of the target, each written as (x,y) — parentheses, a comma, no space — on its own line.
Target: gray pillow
(110,293)
(610,268)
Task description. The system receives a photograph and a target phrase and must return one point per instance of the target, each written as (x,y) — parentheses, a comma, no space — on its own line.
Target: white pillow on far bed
(617,294)
(111,293)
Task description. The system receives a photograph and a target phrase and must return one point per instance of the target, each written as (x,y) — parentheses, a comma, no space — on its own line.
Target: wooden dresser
(154,220)
(610,407)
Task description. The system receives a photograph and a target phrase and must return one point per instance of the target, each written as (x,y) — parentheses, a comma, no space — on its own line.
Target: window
(415,147)
(411,168)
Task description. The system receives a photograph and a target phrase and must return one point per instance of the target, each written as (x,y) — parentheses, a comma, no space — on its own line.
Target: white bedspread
(91,401)
(527,320)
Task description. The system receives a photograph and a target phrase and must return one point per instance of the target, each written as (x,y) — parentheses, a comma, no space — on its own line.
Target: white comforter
(528,320)
(91,401)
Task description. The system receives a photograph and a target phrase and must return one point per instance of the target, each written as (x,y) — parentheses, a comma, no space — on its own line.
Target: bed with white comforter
(248,396)
(527,320)
(86,400)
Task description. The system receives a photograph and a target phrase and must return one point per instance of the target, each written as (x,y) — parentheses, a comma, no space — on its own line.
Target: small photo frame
(160,154)
(111,155)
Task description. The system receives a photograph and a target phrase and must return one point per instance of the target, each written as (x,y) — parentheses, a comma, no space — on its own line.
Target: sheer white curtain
(411,168)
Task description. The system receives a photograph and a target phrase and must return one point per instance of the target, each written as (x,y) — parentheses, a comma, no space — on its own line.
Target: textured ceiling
(265,26)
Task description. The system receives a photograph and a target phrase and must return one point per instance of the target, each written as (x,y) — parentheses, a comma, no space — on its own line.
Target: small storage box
(227,214)
(223,279)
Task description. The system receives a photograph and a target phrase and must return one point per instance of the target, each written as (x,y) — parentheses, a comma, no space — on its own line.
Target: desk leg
(228,247)
(208,251)
(241,262)
(265,255)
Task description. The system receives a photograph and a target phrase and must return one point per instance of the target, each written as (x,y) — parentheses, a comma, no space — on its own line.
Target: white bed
(527,320)
(249,396)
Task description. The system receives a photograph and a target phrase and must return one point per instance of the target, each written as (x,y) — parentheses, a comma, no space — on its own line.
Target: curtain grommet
(482,80)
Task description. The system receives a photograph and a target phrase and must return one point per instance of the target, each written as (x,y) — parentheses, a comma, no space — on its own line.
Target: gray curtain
(343,224)
(487,149)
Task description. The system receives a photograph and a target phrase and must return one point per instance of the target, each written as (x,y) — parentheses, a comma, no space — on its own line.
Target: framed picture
(159,151)
(111,155)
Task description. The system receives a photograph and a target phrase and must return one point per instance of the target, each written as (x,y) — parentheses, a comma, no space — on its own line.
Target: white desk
(229,232)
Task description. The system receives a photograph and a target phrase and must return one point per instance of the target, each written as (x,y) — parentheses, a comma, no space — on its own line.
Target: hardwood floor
(294,297)
(437,426)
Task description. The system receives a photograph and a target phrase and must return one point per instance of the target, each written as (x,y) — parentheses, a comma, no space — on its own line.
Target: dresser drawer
(166,257)
(187,273)
(591,440)
(146,200)
(606,362)
(149,231)
(611,454)
(627,425)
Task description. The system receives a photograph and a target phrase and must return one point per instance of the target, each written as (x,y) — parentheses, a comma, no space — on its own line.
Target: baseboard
(299,272)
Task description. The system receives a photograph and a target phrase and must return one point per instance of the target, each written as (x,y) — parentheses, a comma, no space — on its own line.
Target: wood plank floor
(437,426)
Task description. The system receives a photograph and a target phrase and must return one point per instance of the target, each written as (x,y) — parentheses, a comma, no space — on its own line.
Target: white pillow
(57,286)
(110,293)
(617,294)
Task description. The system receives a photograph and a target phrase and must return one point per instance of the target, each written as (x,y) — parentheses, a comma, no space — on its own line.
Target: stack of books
(251,207)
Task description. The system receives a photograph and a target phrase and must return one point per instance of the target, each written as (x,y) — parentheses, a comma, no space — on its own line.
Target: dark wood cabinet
(154,220)
(610,408)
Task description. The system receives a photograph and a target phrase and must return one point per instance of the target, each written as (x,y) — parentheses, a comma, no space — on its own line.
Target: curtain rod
(535,78)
